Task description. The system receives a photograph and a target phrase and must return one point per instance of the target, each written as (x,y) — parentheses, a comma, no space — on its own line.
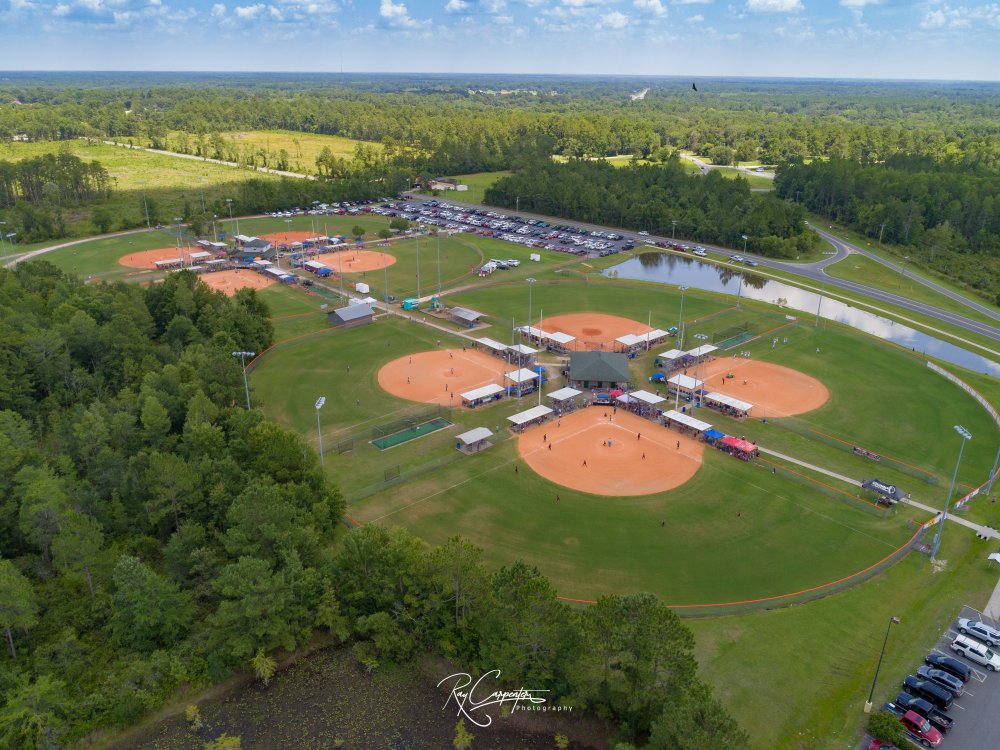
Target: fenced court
(410,433)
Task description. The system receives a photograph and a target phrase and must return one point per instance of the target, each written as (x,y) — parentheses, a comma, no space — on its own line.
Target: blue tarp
(714,434)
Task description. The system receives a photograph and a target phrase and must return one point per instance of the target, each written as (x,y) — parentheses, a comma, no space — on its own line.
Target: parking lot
(975,712)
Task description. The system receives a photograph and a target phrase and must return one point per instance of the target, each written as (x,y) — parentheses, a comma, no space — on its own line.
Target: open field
(478,183)
(167,180)
(302,148)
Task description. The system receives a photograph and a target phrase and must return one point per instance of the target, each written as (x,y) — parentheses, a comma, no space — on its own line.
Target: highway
(813,271)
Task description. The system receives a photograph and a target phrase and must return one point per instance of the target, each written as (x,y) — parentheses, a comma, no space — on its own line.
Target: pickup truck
(906,702)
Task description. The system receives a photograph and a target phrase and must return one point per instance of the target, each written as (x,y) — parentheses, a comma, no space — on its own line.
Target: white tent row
(646,397)
(522,349)
(631,339)
(702,350)
(536,412)
(200,255)
(262,263)
(684,419)
(671,355)
(169,262)
(564,393)
(561,338)
(485,392)
(537,333)
(523,375)
(313,265)
(275,272)
(685,382)
(733,403)
(491,344)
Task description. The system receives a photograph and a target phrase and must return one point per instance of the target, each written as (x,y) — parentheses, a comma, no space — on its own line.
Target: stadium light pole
(3,245)
(319,429)
(745,238)
(673,229)
(966,436)
(868,703)
(243,361)
(531,283)
(680,343)
(229,202)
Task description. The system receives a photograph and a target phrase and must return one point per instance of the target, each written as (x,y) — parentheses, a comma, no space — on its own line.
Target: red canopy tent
(740,445)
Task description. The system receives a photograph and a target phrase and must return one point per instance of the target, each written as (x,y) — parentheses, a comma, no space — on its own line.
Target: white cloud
(60,10)
(614,20)
(582,3)
(653,6)
(218,10)
(494,6)
(962,17)
(697,18)
(248,11)
(396,14)
(691,2)
(456,6)
(859,3)
(775,6)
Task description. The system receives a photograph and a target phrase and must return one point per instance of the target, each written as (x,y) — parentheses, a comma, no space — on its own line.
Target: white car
(644,234)
(700,253)
(513,263)
(977,652)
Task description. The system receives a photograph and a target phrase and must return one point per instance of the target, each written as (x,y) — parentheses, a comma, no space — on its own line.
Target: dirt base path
(593,330)
(284,238)
(618,469)
(230,281)
(440,377)
(356,261)
(147,258)
(774,390)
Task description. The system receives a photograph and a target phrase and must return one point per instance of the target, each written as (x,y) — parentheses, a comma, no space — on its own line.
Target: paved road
(960,298)
(813,271)
(704,167)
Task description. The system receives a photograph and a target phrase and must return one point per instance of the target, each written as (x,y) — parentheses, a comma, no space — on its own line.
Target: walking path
(983,530)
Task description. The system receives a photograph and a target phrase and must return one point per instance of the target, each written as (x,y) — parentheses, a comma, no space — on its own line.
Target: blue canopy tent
(713,435)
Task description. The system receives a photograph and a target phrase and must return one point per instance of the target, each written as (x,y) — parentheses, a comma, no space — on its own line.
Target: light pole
(215,233)
(966,435)
(531,283)
(868,703)
(819,304)
(680,343)
(319,430)
(673,229)
(418,267)
(243,362)
(232,230)
(288,226)
(437,234)
(745,238)
(3,245)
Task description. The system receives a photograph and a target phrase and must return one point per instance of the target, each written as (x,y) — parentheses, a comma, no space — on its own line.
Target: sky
(929,39)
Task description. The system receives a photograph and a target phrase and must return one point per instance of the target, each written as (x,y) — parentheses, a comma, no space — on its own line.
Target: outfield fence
(803,428)
(815,485)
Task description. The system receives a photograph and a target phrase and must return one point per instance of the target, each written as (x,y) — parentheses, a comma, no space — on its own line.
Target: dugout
(674,359)
(523,380)
(162,265)
(521,355)
(687,386)
(559,341)
(474,441)
(524,419)
(685,423)
(480,396)
(632,343)
(642,403)
(564,400)
(731,407)
(702,353)
(493,347)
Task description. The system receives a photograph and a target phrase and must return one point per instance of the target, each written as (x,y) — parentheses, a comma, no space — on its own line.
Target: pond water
(673,269)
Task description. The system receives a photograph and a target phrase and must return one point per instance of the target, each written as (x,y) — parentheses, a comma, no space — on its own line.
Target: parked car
(736,258)
(881,745)
(644,234)
(513,263)
(751,262)
(905,702)
(700,253)
(944,679)
(977,652)
(928,690)
(920,729)
(949,664)
(982,631)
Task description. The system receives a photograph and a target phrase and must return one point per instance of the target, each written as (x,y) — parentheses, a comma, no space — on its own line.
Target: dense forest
(943,216)
(155,535)
(52,178)
(664,199)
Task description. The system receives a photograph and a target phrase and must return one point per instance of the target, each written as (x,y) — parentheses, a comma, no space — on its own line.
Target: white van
(975,651)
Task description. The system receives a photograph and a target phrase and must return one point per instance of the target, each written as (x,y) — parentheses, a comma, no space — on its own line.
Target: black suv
(949,664)
(926,689)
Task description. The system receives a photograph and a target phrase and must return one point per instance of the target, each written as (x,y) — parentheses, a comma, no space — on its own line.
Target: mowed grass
(167,180)
(798,677)
(302,148)
(478,182)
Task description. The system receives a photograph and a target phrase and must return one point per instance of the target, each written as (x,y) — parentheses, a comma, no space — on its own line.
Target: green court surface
(411,433)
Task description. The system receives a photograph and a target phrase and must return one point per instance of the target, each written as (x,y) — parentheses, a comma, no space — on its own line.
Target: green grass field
(478,184)
(302,148)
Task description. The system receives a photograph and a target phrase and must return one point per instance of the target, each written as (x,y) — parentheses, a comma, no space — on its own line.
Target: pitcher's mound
(593,330)
(440,377)
(611,447)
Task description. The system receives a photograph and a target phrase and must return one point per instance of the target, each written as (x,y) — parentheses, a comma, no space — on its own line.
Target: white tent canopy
(530,415)
(646,397)
(491,344)
(199,255)
(733,403)
(485,392)
(522,349)
(684,419)
(564,393)
(672,355)
(523,375)
(631,339)
(685,382)
(702,350)
(537,333)
(561,338)
(475,435)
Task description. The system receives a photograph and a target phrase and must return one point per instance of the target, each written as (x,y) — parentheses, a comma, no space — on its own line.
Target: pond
(673,269)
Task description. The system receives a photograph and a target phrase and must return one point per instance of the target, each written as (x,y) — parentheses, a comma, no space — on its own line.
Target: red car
(920,729)
(881,745)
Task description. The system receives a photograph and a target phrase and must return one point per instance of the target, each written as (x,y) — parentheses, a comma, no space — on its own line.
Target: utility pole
(673,229)
(880,234)
(243,361)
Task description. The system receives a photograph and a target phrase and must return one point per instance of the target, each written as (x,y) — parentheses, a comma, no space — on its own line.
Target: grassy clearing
(302,148)
(169,181)
(478,182)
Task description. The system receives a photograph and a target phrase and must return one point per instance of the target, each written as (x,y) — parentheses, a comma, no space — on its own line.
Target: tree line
(663,199)
(157,535)
(944,216)
(53,179)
